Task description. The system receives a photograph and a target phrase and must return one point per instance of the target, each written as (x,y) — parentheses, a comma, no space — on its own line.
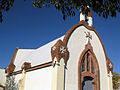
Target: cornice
(34,68)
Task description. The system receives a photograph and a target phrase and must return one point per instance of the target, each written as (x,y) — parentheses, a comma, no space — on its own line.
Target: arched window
(87,63)
(88,71)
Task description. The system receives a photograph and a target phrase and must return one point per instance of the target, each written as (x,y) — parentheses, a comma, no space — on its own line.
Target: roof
(36,57)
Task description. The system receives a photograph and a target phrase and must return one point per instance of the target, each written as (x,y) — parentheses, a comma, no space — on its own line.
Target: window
(88,71)
(87,63)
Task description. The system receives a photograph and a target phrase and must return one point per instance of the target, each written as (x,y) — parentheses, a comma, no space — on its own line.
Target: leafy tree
(103,8)
(116,78)
(5,5)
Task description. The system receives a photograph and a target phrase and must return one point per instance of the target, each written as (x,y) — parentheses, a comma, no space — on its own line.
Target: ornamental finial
(88,36)
(88,16)
(82,15)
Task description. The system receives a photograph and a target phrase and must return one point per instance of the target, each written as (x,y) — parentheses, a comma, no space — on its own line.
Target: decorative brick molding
(95,75)
(70,31)
(26,66)
(91,28)
(59,50)
(11,67)
(33,68)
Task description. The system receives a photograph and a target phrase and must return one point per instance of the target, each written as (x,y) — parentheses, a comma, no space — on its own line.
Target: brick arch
(91,28)
(82,23)
(82,75)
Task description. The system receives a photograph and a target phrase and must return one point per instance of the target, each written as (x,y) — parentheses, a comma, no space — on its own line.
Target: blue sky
(25,26)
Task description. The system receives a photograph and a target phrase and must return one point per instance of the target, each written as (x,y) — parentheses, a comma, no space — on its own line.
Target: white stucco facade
(63,75)
(2,78)
(36,57)
(39,79)
(76,45)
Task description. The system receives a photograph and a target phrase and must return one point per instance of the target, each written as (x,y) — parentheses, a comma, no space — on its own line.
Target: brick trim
(26,65)
(82,23)
(91,28)
(34,68)
(95,76)
(59,50)
(11,66)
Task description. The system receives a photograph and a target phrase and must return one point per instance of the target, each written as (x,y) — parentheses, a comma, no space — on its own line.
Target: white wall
(40,79)
(2,77)
(36,57)
(76,44)
(18,77)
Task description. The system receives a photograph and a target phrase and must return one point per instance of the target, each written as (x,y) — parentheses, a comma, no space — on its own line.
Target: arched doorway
(88,70)
(87,84)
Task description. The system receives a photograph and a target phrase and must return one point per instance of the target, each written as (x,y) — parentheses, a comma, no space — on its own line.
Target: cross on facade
(62,49)
(88,36)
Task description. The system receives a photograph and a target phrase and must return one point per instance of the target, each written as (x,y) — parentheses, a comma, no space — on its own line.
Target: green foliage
(116,78)
(103,8)
(5,5)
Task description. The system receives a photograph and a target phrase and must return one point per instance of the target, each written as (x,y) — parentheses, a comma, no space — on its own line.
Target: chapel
(75,61)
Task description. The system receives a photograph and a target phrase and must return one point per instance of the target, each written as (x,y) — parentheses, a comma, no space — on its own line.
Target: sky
(27,27)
